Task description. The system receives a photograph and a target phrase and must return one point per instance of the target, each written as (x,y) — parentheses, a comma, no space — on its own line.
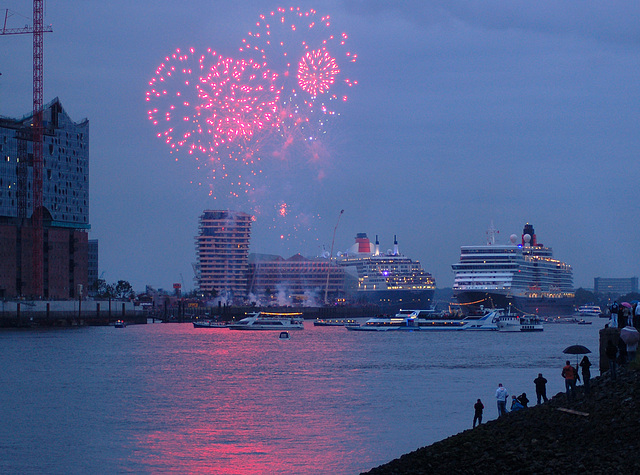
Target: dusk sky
(464,113)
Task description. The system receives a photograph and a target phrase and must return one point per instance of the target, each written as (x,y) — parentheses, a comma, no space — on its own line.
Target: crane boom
(20,31)
(38,31)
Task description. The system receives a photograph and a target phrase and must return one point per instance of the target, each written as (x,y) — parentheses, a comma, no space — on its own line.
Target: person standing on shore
(501,396)
(477,417)
(585,364)
(614,314)
(612,352)
(570,375)
(541,388)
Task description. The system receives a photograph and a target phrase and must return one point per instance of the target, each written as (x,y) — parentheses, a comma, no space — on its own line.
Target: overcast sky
(464,113)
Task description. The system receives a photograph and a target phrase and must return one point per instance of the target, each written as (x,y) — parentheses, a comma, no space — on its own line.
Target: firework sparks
(316,72)
(311,60)
(221,112)
(211,108)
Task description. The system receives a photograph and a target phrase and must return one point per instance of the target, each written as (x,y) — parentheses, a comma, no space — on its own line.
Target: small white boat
(589,311)
(519,323)
(208,324)
(284,336)
(269,321)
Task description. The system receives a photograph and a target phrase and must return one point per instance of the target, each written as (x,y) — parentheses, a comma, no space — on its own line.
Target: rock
(542,439)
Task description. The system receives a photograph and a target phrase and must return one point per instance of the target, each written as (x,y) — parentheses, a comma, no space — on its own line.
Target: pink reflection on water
(247,403)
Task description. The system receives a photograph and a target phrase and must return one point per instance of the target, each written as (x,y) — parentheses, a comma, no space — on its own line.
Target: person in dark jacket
(541,388)
(524,400)
(585,364)
(622,352)
(612,352)
(477,417)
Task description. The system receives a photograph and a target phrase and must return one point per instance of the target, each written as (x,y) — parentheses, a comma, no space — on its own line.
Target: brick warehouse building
(65,201)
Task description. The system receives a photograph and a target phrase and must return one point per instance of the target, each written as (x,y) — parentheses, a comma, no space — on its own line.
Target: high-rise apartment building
(222,253)
(65,202)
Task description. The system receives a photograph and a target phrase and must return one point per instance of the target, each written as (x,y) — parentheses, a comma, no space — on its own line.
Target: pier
(67,313)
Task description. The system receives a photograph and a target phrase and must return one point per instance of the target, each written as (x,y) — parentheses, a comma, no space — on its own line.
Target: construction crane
(38,31)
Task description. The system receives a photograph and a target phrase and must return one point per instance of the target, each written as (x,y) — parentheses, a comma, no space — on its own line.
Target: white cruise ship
(518,277)
(389,279)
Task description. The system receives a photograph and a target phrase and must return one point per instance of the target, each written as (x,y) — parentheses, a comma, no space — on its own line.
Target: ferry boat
(522,277)
(269,321)
(411,322)
(321,322)
(389,280)
(519,323)
(589,311)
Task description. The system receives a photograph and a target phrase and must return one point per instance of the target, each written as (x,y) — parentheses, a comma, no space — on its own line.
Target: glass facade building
(65,198)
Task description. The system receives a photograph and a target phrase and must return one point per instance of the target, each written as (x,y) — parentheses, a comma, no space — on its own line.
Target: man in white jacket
(501,395)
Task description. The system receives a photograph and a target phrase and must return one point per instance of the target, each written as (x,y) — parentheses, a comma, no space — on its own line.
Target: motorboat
(209,324)
(120,324)
(321,322)
(269,321)
(589,311)
(519,323)
(410,322)
(284,336)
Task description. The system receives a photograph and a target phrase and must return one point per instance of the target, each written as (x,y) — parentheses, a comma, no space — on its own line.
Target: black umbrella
(576,350)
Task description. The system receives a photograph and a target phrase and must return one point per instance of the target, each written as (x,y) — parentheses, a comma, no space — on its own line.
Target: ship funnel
(528,229)
(395,245)
(364,245)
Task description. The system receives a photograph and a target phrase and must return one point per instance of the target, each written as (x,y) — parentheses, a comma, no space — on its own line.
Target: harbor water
(170,398)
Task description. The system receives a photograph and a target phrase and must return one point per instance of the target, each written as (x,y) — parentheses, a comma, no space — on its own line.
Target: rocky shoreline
(599,434)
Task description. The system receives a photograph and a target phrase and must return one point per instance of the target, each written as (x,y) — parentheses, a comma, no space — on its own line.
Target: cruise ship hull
(471,301)
(390,301)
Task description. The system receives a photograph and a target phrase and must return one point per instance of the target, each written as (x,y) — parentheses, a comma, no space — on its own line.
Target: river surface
(170,398)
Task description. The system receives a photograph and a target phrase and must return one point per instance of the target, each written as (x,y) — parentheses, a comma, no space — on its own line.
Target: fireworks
(316,72)
(311,60)
(291,77)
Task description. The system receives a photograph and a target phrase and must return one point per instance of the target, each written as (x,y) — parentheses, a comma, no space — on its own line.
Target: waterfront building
(222,253)
(297,280)
(92,267)
(65,204)
(615,286)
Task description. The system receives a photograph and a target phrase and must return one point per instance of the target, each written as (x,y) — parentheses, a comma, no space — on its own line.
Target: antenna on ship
(376,251)
(395,245)
(491,234)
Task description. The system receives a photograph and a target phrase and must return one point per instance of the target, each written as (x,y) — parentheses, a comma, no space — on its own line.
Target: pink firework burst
(213,109)
(203,101)
(312,61)
(174,102)
(238,98)
(317,71)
